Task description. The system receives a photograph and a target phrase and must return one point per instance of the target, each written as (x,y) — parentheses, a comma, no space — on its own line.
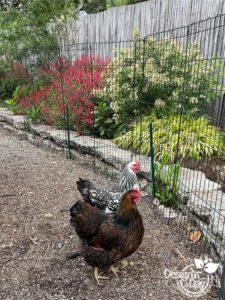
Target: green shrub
(11,76)
(104,123)
(160,76)
(8,86)
(20,91)
(166,196)
(13,105)
(196,136)
(166,181)
(33,113)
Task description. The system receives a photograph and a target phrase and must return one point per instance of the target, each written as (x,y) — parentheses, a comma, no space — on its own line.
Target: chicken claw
(115,270)
(98,276)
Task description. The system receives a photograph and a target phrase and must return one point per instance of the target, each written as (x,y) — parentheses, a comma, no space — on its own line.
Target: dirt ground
(37,188)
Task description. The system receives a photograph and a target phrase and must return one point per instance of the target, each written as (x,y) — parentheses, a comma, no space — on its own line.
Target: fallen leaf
(49,215)
(195,236)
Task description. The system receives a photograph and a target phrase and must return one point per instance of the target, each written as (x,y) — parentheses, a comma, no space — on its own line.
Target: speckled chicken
(108,200)
(105,238)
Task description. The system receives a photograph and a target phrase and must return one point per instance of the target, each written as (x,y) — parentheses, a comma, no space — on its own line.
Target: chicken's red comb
(137,164)
(137,190)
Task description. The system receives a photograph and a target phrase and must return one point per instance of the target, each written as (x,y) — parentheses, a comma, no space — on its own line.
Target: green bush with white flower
(160,76)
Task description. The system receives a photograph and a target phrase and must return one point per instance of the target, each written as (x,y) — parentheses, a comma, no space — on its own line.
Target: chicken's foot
(116,269)
(98,276)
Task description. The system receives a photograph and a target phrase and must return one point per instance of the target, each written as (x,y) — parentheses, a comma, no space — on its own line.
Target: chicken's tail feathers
(84,184)
(84,187)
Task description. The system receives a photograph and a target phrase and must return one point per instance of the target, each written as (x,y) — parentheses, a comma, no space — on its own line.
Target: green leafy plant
(8,86)
(163,77)
(103,120)
(166,196)
(34,27)
(167,176)
(12,75)
(34,113)
(20,91)
(26,124)
(178,138)
(13,105)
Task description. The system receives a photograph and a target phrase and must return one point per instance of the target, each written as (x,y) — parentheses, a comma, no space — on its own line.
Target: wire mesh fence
(159,100)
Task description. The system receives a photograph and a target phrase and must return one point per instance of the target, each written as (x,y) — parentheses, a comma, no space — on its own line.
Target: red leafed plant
(68,84)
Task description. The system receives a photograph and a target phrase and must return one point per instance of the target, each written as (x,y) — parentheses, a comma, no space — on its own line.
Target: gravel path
(36,190)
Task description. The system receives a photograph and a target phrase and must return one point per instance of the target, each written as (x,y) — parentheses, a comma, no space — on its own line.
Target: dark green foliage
(11,76)
(103,120)
(25,27)
(30,31)
(8,86)
(94,6)
(13,102)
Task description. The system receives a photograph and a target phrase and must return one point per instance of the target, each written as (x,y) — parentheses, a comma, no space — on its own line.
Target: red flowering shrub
(72,85)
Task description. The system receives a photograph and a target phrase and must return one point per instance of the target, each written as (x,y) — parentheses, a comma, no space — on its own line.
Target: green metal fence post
(152,159)
(68,130)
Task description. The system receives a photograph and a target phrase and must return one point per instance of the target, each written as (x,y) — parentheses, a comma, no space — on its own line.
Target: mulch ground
(37,188)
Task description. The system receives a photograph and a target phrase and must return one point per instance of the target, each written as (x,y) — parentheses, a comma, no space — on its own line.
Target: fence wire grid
(159,100)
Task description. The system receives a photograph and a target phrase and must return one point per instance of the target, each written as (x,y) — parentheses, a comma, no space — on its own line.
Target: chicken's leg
(115,270)
(98,276)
